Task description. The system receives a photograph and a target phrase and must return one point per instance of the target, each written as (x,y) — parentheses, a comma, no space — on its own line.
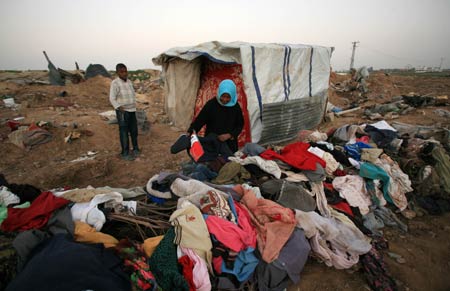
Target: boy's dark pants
(127,125)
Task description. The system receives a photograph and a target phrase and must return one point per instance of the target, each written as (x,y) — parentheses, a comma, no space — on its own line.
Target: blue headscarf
(227,86)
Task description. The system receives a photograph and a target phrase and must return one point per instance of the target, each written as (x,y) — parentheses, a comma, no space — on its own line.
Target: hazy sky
(391,33)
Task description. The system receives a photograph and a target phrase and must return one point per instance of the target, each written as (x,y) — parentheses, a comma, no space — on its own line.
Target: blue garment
(127,126)
(62,264)
(336,109)
(244,266)
(232,207)
(157,200)
(227,86)
(354,150)
(202,173)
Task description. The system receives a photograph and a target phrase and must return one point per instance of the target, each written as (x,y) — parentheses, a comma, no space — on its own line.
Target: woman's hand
(224,137)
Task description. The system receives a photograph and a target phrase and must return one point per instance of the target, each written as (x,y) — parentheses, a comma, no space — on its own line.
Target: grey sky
(391,33)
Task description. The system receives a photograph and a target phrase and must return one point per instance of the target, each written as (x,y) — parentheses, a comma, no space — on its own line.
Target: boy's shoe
(127,157)
(136,153)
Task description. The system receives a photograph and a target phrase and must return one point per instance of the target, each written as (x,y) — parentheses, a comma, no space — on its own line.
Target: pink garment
(200,271)
(235,237)
(274,223)
(297,155)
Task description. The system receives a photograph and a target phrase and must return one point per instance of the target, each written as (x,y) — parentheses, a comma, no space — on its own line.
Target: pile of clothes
(242,221)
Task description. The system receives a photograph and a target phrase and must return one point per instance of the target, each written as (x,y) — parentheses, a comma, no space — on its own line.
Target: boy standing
(123,99)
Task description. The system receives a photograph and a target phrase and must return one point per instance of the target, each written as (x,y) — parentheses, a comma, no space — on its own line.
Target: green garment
(3,213)
(232,173)
(442,167)
(374,172)
(164,264)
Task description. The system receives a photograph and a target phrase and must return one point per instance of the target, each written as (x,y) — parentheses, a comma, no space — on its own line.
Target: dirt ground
(426,247)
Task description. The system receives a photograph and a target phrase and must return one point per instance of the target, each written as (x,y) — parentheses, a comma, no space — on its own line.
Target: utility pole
(440,65)
(353,54)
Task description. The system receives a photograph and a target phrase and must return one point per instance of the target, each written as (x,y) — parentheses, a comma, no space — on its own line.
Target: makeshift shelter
(282,88)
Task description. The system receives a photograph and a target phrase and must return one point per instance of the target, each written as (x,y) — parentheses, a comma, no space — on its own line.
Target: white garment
(354,163)
(191,190)
(335,240)
(7,197)
(295,177)
(317,136)
(267,166)
(378,193)
(382,124)
(330,146)
(316,151)
(321,200)
(88,211)
(337,258)
(353,189)
(255,190)
(331,163)
(154,192)
(126,193)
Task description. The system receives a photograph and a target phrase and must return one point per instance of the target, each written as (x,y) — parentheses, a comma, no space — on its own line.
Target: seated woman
(222,116)
(224,121)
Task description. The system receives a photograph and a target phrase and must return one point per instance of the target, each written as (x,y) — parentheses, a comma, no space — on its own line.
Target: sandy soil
(426,247)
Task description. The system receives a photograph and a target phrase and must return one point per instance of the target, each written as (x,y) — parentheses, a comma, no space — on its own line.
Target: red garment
(364,139)
(34,217)
(340,173)
(274,223)
(235,237)
(214,73)
(328,186)
(344,207)
(297,155)
(188,266)
(217,264)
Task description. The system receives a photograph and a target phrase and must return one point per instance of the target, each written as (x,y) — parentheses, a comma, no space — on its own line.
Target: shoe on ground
(127,157)
(136,153)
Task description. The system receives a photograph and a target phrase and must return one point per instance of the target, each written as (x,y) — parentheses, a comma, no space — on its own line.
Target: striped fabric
(122,94)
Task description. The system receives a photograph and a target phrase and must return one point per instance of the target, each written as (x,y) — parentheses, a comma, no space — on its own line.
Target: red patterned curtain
(214,73)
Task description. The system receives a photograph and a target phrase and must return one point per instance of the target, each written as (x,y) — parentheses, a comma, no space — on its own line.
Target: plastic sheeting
(271,73)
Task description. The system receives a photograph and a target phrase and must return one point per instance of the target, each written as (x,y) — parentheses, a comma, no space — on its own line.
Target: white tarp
(271,73)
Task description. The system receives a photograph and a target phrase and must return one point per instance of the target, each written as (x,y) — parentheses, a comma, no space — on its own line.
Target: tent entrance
(212,74)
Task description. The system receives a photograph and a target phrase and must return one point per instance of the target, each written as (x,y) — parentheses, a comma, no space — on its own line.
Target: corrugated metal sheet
(283,120)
